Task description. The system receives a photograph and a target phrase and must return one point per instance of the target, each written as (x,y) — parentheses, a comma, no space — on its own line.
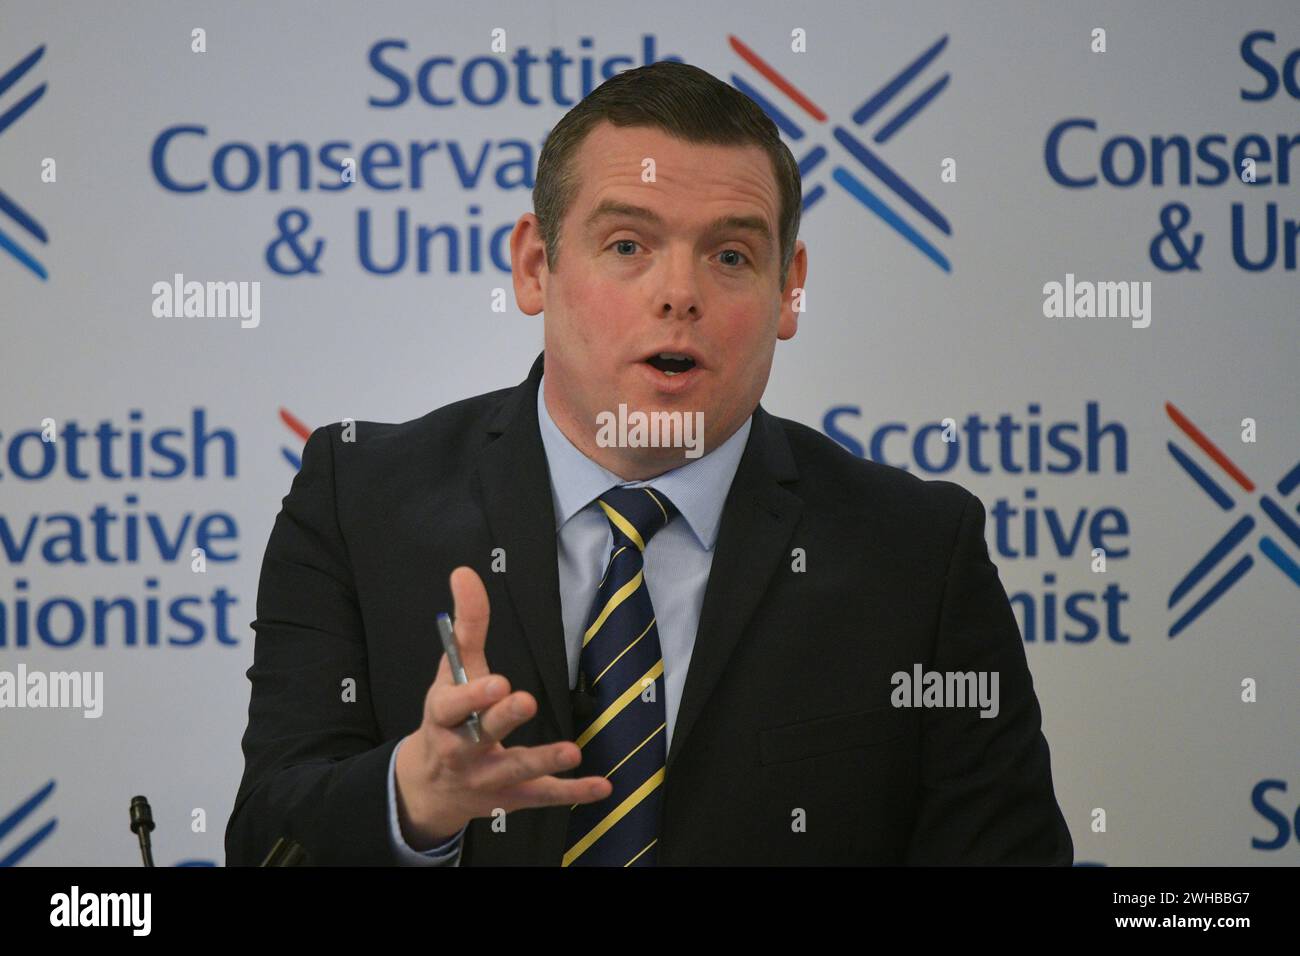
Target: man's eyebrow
(755,224)
(612,208)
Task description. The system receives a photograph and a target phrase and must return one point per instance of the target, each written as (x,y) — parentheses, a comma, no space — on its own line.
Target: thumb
(470,619)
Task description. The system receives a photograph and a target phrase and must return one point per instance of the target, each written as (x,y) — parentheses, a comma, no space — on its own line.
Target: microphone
(142,825)
(284,853)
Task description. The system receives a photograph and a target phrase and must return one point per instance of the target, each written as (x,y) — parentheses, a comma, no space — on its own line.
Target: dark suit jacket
(786,705)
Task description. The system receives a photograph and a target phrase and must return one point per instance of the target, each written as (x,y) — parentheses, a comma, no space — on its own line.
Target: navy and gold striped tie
(622,668)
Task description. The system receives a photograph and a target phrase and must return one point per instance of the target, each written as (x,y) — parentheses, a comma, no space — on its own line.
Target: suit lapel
(758,518)
(521,517)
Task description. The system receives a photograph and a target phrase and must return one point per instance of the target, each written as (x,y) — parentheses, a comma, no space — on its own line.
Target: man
(692,657)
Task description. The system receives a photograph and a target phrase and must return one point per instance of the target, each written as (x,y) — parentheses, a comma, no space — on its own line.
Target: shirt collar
(698,488)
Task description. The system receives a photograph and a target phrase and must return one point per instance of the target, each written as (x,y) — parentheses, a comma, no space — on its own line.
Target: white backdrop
(1151,728)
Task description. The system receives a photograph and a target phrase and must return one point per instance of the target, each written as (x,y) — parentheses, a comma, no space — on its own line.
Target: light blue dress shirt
(677,563)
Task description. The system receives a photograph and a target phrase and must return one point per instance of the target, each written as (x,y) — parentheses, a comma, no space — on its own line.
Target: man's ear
(528,263)
(794,285)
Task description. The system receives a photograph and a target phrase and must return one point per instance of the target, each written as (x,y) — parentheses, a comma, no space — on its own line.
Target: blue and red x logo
(7,205)
(815,153)
(299,428)
(10,856)
(1226,545)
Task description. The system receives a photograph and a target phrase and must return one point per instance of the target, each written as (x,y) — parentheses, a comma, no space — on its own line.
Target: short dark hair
(683,101)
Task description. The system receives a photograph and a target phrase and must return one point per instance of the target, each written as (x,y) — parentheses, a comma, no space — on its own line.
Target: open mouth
(671,363)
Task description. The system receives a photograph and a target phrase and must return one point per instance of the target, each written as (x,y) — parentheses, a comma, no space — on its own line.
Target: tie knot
(636,513)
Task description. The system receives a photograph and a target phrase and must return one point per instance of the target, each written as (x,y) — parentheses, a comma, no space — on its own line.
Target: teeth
(673,355)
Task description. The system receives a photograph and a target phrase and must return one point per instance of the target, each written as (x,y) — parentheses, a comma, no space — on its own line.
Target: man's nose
(680,294)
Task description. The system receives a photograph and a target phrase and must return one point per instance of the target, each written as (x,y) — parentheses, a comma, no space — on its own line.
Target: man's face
(686,264)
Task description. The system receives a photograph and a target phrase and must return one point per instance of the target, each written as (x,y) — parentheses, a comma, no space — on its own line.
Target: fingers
(500,712)
(516,765)
(560,791)
(447,705)
(522,775)
(502,717)
(525,774)
(519,776)
(470,618)
(453,703)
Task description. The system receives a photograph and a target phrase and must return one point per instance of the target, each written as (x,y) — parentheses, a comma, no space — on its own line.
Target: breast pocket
(824,735)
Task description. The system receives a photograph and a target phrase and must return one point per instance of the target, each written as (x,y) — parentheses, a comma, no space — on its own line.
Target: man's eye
(622,243)
(733,252)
